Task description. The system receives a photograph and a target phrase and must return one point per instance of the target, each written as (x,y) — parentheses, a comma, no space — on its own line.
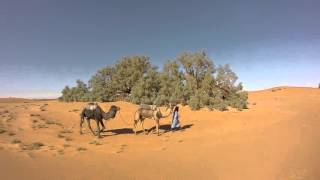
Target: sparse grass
(61,151)
(51,147)
(60,135)
(81,149)
(66,145)
(33,146)
(254,103)
(50,122)
(34,115)
(95,142)
(16,141)
(2,131)
(59,124)
(34,120)
(12,134)
(74,110)
(41,126)
(65,131)
(68,139)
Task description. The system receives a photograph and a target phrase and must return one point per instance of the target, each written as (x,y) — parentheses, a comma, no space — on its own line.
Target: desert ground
(277,137)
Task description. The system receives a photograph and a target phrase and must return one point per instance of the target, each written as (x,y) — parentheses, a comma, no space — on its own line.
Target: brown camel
(151,112)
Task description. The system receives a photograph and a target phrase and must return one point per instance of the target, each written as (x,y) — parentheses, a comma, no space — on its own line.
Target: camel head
(114,108)
(170,106)
(111,113)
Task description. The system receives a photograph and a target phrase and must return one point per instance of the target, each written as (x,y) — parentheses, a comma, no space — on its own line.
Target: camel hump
(147,107)
(91,106)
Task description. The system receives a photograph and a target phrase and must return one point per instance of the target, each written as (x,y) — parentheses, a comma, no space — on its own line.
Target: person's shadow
(165,127)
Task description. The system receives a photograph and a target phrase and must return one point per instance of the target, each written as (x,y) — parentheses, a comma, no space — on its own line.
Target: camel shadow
(166,128)
(115,132)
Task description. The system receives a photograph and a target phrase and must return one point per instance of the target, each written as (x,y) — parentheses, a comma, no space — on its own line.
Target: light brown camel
(151,112)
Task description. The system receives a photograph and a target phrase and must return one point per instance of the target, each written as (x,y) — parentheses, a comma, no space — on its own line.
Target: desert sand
(277,137)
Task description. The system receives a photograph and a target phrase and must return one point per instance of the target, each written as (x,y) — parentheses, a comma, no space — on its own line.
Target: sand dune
(276,138)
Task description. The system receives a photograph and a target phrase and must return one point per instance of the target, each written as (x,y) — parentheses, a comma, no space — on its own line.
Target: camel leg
(157,126)
(81,122)
(144,130)
(89,125)
(98,128)
(102,124)
(135,126)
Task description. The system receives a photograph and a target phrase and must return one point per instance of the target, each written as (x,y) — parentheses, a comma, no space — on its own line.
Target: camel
(149,111)
(94,111)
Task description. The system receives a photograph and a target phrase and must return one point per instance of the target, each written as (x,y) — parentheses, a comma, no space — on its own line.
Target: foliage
(190,79)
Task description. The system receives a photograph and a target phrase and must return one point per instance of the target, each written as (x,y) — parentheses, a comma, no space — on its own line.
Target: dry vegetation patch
(95,142)
(16,141)
(81,149)
(32,146)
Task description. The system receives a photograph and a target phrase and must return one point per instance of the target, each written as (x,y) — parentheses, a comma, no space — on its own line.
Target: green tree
(196,66)
(190,79)
(231,92)
(147,88)
(66,94)
(101,85)
(127,73)
(171,84)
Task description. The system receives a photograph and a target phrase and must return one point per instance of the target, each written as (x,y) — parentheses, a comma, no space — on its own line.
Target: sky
(47,44)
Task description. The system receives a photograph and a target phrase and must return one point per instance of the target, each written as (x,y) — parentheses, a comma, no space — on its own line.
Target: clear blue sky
(45,45)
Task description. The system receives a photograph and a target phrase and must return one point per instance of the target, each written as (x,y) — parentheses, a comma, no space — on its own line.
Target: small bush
(2,131)
(37,144)
(16,141)
(68,139)
(60,135)
(94,142)
(239,101)
(41,126)
(81,149)
(33,146)
(194,103)
(66,145)
(219,105)
(50,122)
(12,134)
(61,151)
(66,131)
